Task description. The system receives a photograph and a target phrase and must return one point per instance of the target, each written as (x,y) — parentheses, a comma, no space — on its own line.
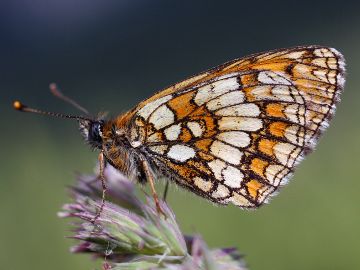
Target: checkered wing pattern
(235,133)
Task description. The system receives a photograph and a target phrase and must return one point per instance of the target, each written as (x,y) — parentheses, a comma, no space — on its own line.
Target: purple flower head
(130,234)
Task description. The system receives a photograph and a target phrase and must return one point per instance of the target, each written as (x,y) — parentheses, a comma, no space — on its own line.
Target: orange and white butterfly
(232,134)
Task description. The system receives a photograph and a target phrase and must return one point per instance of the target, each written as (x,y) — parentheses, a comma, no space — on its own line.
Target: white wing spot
(262,92)
(232,177)
(275,173)
(152,106)
(270,77)
(220,192)
(195,128)
(321,74)
(322,62)
(159,149)
(291,112)
(282,152)
(235,138)
(217,166)
(172,132)
(162,117)
(210,91)
(228,99)
(240,200)
(226,152)
(245,109)
(295,55)
(323,52)
(293,135)
(181,153)
(202,184)
(274,92)
(240,123)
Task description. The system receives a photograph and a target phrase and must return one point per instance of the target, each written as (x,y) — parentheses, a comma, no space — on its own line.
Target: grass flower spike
(131,235)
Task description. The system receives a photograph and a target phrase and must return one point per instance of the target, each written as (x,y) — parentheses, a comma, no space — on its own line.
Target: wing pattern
(235,133)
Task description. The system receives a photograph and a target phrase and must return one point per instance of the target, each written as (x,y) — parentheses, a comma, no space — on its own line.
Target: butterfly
(232,134)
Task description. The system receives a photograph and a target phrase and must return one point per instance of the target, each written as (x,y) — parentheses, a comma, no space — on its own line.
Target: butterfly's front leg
(150,178)
(102,163)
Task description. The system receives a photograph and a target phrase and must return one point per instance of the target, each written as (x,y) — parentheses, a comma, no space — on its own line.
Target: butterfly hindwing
(235,133)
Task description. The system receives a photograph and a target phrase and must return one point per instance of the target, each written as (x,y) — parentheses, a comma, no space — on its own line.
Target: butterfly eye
(95,134)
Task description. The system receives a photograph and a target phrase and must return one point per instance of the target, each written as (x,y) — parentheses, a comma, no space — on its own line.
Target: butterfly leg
(103,183)
(150,178)
(166,189)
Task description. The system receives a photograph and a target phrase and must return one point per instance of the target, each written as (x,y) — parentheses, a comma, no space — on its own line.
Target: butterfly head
(90,128)
(92,131)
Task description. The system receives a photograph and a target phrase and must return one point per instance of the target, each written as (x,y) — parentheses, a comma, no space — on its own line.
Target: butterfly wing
(236,132)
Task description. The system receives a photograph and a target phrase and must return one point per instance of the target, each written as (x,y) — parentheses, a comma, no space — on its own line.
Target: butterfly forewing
(236,132)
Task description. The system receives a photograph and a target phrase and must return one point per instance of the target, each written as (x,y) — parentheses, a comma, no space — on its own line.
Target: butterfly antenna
(57,93)
(23,108)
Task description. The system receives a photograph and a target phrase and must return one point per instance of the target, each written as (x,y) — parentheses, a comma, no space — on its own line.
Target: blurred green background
(109,55)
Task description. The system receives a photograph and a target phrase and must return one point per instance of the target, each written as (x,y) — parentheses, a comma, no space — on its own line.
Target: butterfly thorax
(120,146)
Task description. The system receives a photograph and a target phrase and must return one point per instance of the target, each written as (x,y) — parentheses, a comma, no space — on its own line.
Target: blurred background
(109,55)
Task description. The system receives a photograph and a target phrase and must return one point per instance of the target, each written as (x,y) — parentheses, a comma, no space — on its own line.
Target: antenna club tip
(52,86)
(18,105)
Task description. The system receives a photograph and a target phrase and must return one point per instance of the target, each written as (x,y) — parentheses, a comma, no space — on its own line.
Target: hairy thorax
(121,148)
